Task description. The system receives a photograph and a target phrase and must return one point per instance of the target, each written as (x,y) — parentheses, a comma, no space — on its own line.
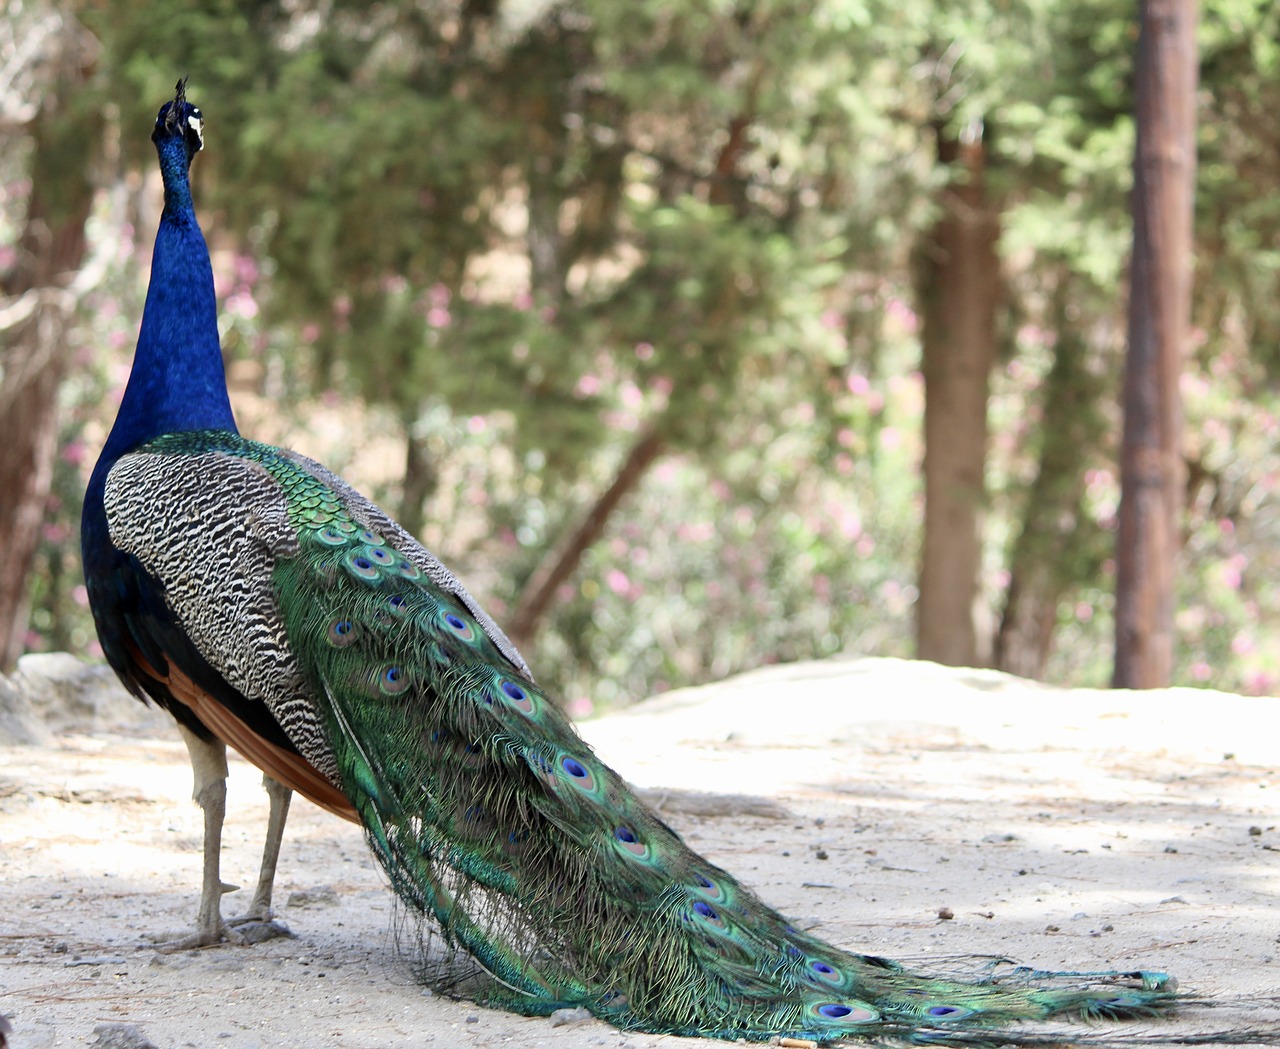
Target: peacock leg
(209,773)
(256,923)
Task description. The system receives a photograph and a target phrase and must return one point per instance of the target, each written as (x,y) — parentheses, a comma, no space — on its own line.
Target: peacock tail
(489,814)
(270,606)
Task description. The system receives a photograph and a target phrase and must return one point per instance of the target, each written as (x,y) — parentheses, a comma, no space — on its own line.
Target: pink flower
(899,312)
(616,580)
(242,304)
(644,351)
(1258,683)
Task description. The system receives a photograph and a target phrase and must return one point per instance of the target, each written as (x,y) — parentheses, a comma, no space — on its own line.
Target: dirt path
(1068,830)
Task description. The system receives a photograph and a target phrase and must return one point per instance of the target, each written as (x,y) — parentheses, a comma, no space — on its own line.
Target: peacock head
(180,121)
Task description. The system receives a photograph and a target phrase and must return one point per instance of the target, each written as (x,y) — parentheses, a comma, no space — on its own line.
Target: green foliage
(526,233)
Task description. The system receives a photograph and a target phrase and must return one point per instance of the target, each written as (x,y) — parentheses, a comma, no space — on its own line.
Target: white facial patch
(196,123)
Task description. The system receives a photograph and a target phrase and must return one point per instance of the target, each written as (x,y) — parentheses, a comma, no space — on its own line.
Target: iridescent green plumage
(495,820)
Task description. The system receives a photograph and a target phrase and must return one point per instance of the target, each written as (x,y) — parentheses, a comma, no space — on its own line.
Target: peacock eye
(393,680)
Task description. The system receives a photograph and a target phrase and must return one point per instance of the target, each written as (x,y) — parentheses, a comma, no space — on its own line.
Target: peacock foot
(202,936)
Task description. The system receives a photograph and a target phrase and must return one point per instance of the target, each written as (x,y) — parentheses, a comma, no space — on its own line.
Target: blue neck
(178,382)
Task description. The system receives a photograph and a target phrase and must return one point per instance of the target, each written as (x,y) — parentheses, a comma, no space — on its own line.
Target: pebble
(120,1036)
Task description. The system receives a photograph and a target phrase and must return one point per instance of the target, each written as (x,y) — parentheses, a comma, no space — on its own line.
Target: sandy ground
(866,798)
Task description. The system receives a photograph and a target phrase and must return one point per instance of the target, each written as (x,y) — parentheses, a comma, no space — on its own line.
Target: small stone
(821,854)
(568,1017)
(120,1036)
(473,1019)
(1255,832)
(946,913)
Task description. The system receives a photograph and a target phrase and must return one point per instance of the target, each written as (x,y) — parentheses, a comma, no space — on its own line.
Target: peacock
(267,605)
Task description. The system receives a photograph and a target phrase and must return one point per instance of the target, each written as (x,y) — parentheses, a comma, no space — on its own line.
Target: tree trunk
(561,562)
(959,288)
(420,480)
(51,251)
(1151,468)
(1053,550)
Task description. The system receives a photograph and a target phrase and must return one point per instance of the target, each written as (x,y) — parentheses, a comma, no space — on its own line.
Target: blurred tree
(46,59)
(1057,546)
(1152,474)
(1063,244)
(960,291)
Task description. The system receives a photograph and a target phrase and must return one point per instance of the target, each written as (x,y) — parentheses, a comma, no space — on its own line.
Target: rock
(20,725)
(320,896)
(568,1017)
(121,1036)
(70,696)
